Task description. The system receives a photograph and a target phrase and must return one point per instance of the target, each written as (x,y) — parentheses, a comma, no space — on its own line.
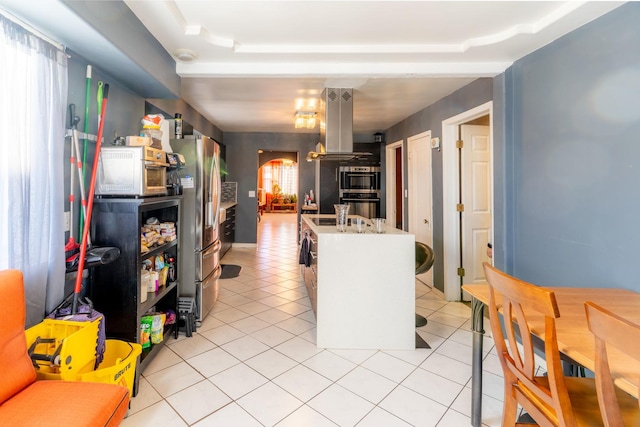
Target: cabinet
(228,231)
(310,274)
(375,148)
(327,185)
(359,301)
(115,289)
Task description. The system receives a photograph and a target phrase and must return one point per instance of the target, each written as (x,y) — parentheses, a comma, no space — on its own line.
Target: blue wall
(474,94)
(572,120)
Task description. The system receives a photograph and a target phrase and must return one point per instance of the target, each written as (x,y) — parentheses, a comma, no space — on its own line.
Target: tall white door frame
(390,172)
(450,183)
(420,189)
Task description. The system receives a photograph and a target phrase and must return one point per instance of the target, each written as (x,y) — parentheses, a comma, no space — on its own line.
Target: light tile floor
(253,361)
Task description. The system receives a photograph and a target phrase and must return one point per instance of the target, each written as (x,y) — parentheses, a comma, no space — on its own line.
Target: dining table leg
(477,327)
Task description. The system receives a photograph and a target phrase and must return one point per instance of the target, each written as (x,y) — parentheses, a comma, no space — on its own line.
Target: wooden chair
(551,400)
(618,408)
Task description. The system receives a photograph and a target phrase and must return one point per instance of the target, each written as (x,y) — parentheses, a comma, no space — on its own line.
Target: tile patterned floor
(253,361)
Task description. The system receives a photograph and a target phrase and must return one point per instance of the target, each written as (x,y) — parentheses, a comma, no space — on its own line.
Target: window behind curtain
(33,97)
(282,172)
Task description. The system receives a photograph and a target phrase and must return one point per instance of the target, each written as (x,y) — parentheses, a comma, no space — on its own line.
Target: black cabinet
(115,289)
(328,188)
(228,231)
(374,148)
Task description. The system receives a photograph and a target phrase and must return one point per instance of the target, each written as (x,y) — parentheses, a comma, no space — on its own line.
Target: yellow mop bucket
(118,365)
(63,349)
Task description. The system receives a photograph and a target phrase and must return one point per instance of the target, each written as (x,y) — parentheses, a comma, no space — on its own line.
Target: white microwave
(132,171)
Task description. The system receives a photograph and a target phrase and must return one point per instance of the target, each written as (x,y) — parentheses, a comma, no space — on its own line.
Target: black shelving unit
(115,289)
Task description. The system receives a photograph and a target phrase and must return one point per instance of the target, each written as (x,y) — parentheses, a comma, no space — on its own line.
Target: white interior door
(420,193)
(450,197)
(477,200)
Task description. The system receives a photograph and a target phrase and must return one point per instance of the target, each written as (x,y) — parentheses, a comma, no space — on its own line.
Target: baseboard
(244,245)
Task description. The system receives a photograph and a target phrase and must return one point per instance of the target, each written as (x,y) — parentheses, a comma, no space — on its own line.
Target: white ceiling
(255,59)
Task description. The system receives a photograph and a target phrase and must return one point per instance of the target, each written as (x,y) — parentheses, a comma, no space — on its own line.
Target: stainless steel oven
(360,189)
(132,171)
(359,178)
(363,204)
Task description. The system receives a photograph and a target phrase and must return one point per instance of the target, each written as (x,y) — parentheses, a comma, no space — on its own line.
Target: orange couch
(27,402)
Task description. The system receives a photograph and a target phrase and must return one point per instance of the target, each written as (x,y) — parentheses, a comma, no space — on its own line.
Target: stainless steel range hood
(336,127)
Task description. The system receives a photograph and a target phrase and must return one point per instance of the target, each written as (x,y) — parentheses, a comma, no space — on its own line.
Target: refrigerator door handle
(208,260)
(212,250)
(215,175)
(207,293)
(215,275)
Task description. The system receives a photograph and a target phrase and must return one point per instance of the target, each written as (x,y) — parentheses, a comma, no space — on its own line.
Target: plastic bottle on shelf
(172,269)
(178,126)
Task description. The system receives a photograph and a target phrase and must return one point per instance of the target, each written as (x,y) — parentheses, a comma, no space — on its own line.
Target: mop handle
(72,184)
(83,200)
(86,132)
(85,233)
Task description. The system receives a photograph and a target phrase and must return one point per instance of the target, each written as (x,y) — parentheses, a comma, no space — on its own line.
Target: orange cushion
(15,363)
(66,403)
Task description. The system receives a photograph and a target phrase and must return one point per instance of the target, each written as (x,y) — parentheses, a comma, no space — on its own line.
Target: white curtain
(284,173)
(33,97)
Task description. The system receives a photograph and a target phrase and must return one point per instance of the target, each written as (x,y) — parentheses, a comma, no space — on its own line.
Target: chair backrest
(15,363)
(424,258)
(610,329)
(546,401)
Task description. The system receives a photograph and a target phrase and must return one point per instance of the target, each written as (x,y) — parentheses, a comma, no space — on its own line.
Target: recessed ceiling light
(185,55)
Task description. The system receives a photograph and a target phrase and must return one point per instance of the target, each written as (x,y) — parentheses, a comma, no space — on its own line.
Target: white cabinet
(363,286)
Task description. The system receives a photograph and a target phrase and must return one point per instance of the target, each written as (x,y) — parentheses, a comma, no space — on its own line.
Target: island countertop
(363,285)
(330,229)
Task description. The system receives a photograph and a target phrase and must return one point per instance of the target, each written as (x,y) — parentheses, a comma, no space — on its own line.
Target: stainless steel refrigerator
(199,268)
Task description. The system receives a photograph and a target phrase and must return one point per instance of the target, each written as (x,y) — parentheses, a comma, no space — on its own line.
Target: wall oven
(363,204)
(360,189)
(360,178)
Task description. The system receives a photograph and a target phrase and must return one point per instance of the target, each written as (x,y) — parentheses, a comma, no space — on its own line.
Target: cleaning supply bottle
(178,126)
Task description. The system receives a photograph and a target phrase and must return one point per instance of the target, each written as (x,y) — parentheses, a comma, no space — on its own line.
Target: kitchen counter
(224,208)
(330,227)
(227,205)
(365,287)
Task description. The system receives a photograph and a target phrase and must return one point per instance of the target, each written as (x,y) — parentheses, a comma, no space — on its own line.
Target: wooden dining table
(575,341)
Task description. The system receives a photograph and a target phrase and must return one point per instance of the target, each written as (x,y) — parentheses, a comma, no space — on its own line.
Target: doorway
(467,197)
(395,185)
(277,182)
(420,200)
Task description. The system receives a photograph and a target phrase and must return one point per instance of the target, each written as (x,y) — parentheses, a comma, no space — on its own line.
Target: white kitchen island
(363,285)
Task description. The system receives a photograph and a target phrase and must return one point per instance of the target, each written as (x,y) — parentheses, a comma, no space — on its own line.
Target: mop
(72,245)
(86,129)
(85,233)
